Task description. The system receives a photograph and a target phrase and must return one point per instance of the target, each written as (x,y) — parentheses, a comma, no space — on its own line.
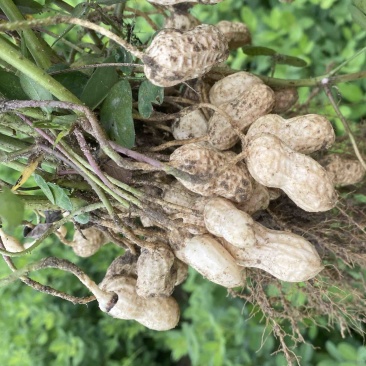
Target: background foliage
(215,329)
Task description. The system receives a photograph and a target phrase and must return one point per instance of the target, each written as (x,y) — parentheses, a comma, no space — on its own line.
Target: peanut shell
(191,125)
(175,56)
(272,163)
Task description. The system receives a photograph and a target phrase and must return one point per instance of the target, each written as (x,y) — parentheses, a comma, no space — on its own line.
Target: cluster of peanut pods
(219,237)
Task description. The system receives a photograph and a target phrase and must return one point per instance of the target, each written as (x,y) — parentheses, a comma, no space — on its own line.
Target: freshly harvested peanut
(224,220)
(175,56)
(154,313)
(124,265)
(202,161)
(230,87)
(285,98)
(155,276)
(258,200)
(272,163)
(284,255)
(191,125)
(95,239)
(304,134)
(178,194)
(237,34)
(343,171)
(183,22)
(244,110)
(10,243)
(208,257)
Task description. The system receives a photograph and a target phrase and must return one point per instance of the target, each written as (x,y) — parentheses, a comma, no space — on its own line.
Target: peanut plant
(161,148)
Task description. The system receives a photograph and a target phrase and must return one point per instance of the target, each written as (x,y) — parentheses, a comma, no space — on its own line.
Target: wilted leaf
(149,94)
(11,210)
(28,171)
(116,114)
(99,84)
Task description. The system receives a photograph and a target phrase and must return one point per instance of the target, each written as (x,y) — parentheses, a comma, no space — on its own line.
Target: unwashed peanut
(154,313)
(304,134)
(230,87)
(191,125)
(95,239)
(224,220)
(243,111)
(258,200)
(181,269)
(272,163)
(285,98)
(202,161)
(10,243)
(343,171)
(284,255)
(208,257)
(237,34)
(175,56)
(155,275)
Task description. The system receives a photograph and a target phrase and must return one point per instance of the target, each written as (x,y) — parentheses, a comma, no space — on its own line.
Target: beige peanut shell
(272,163)
(155,275)
(154,313)
(202,161)
(285,99)
(95,239)
(230,87)
(237,34)
(175,56)
(244,110)
(284,255)
(258,200)
(224,220)
(191,125)
(342,170)
(304,134)
(208,257)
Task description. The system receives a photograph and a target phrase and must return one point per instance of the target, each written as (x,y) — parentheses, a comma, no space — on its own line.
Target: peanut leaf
(116,114)
(149,94)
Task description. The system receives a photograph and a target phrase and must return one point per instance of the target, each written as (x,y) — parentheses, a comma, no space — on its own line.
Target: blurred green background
(215,329)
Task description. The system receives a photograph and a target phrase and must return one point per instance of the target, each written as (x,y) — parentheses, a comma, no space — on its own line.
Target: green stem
(69,20)
(10,54)
(33,44)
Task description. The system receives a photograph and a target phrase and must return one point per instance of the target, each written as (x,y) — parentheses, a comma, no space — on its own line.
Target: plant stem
(10,54)
(69,20)
(33,44)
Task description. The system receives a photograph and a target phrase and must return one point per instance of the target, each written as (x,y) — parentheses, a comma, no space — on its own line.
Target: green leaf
(28,6)
(61,198)
(116,114)
(11,210)
(35,91)
(258,51)
(148,94)
(10,86)
(333,351)
(360,4)
(348,352)
(358,16)
(83,218)
(290,60)
(75,81)
(44,187)
(99,84)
